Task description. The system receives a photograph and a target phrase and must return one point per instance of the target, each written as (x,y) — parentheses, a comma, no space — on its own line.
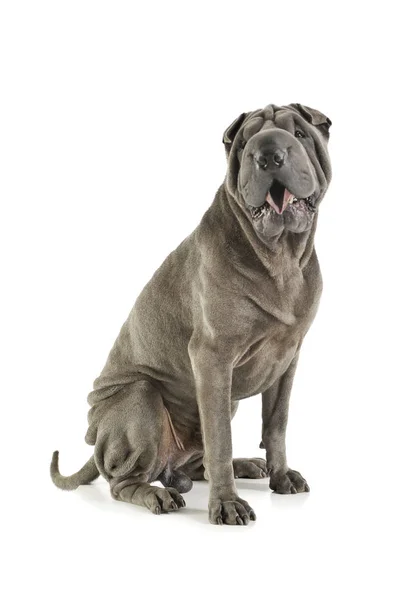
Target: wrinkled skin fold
(222,319)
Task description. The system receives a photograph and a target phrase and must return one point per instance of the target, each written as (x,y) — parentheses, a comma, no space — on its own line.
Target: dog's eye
(299,134)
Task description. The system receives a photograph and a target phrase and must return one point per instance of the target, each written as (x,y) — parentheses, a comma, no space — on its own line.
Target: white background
(112,115)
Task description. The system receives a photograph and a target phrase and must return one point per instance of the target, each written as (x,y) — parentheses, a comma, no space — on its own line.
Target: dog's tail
(86,474)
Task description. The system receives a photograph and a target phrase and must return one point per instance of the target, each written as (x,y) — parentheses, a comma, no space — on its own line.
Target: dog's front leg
(213,388)
(283,480)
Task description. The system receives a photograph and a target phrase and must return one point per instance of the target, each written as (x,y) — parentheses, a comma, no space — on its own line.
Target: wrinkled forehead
(269,117)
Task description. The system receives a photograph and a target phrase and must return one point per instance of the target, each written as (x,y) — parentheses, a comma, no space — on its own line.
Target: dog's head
(278,166)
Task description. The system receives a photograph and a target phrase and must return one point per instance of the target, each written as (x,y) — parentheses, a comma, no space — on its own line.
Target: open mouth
(279,199)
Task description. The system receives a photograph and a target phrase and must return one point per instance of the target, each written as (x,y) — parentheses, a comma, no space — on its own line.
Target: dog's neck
(288,248)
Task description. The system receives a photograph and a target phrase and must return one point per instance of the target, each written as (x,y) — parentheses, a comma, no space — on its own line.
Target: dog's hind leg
(155,498)
(194,468)
(132,448)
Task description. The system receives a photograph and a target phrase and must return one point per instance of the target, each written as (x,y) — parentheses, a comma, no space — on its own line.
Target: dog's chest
(278,324)
(262,364)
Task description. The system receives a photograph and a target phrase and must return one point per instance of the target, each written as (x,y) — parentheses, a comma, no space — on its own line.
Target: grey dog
(223,318)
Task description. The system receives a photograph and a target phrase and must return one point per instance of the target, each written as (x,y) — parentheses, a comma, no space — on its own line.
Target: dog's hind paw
(162,500)
(250,468)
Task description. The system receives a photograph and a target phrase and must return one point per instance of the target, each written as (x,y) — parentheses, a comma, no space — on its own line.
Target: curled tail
(86,474)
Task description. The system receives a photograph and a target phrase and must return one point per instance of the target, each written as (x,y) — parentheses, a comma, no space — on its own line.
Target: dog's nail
(173,505)
(293,490)
(239,520)
(219,521)
(253,516)
(157,510)
(306,487)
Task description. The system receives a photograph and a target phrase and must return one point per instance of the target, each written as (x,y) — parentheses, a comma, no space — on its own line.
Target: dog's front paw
(289,482)
(232,511)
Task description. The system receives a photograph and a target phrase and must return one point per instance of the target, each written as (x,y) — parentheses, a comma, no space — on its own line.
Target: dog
(222,319)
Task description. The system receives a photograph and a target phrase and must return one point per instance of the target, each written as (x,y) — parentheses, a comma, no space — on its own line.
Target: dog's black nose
(279,157)
(262,160)
(276,157)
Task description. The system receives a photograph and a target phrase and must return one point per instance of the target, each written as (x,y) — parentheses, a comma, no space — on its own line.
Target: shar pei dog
(223,318)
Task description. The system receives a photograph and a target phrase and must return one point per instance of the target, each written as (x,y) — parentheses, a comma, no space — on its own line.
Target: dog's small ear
(313,116)
(232,130)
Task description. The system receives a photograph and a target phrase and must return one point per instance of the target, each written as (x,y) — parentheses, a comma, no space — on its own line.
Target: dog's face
(278,166)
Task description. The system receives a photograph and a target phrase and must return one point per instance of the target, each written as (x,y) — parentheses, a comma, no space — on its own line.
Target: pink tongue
(286,198)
